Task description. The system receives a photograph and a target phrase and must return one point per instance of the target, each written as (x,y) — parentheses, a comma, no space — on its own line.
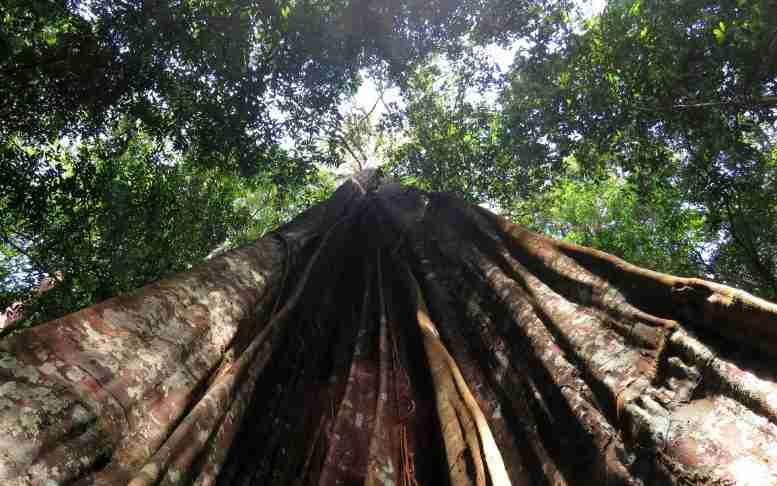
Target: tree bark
(391,336)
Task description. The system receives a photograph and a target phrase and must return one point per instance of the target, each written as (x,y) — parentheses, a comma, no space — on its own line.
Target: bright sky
(591,7)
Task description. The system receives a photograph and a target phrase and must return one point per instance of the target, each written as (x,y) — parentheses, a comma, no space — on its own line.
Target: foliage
(746,253)
(271,204)
(108,222)
(139,137)
(647,74)
(643,222)
(684,85)
(225,80)
(452,142)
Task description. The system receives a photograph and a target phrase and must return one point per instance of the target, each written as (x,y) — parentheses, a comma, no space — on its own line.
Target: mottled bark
(392,337)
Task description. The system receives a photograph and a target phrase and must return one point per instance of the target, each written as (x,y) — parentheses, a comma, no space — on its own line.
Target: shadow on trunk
(392,337)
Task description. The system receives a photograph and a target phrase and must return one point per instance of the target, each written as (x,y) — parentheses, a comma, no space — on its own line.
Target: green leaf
(720,32)
(720,35)
(635,8)
(50,38)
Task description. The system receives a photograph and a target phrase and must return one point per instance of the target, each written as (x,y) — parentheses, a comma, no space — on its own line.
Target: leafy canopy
(138,137)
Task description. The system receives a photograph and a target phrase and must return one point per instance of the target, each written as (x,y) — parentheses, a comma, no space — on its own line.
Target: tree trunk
(394,337)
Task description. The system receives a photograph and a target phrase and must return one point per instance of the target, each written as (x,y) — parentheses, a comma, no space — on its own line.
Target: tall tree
(390,335)
(122,121)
